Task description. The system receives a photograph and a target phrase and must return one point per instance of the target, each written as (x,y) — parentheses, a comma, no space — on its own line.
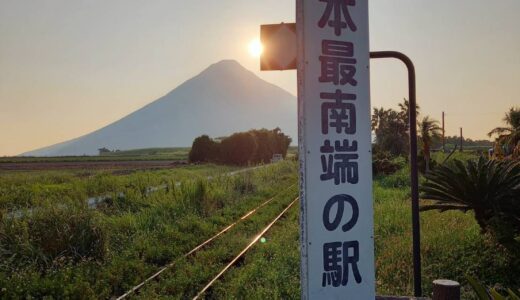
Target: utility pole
(461,139)
(443,135)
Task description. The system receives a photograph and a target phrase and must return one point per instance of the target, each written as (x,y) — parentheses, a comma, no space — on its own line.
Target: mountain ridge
(222,99)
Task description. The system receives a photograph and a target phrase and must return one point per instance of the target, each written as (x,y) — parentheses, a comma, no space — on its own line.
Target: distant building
(103,151)
(276,158)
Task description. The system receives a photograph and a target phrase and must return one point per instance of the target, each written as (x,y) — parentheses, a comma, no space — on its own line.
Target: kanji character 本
(340,201)
(340,10)
(338,164)
(336,261)
(338,114)
(337,62)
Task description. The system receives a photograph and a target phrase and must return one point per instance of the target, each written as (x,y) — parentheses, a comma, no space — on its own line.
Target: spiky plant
(491,188)
(484,293)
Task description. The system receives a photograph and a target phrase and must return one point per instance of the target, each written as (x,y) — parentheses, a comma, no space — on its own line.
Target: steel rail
(156,274)
(251,244)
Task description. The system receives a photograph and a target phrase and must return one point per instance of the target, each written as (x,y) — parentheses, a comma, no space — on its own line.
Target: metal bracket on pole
(414,175)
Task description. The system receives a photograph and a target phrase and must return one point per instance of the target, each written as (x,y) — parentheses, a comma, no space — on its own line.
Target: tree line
(489,186)
(392,131)
(241,148)
(391,128)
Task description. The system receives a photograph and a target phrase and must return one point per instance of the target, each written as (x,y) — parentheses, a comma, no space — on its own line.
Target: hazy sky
(68,67)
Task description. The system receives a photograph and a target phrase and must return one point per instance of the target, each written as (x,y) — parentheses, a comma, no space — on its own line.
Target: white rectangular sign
(335,150)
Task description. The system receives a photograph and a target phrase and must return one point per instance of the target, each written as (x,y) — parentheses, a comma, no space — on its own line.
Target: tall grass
(132,235)
(58,247)
(452,246)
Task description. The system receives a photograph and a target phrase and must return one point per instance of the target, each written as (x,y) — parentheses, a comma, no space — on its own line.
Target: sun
(255,48)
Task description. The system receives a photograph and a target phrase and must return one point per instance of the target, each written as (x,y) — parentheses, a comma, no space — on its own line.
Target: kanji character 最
(337,62)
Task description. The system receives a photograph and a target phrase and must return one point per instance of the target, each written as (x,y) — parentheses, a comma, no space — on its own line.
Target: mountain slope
(223,99)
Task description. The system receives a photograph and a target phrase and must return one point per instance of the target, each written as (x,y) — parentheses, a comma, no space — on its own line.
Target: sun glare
(255,48)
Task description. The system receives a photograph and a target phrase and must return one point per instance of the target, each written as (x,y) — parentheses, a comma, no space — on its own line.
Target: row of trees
(254,146)
(392,132)
(391,128)
(488,187)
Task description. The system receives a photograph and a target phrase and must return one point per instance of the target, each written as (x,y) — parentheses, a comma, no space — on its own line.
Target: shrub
(203,149)
(254,146)
(45,235)
(490,188)
(383,163)
(399,179)
(238,149)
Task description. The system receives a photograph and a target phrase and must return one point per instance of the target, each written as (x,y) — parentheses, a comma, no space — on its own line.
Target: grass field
(149,154)
(452,246)
(59,248)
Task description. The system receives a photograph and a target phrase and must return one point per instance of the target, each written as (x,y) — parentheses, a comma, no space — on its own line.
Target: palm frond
(491,188)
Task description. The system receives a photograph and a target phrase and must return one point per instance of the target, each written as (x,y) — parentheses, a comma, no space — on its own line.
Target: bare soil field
(96,165)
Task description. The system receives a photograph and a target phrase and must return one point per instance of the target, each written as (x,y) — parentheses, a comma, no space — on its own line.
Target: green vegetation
(60,248)
(125,155)
(271,270)
(490,188)
(52,245)
(19,190)
(252,147)
(152,153)
(191,274)
(452,246)
(508,138)
(484,293)
(429,132)
(391,129)
(57,247)
(453,142)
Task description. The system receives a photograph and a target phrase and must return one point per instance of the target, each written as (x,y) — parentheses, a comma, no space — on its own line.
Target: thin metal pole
(416,234)
(461,140)
(443,135)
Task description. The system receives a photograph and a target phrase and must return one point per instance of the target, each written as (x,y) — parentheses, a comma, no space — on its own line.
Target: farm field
(125,155)
(58,247)
(90,165)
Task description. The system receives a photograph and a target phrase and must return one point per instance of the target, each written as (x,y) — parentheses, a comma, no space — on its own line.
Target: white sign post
(335,150)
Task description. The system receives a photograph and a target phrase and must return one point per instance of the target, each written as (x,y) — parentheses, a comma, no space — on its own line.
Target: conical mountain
(222,99)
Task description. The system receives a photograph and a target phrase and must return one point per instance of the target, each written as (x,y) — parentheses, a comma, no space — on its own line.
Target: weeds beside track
(200,246)
(251,244)
(193,272)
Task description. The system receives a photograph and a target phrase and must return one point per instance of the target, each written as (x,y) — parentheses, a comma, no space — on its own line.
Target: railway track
(208,241)
(249,246)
